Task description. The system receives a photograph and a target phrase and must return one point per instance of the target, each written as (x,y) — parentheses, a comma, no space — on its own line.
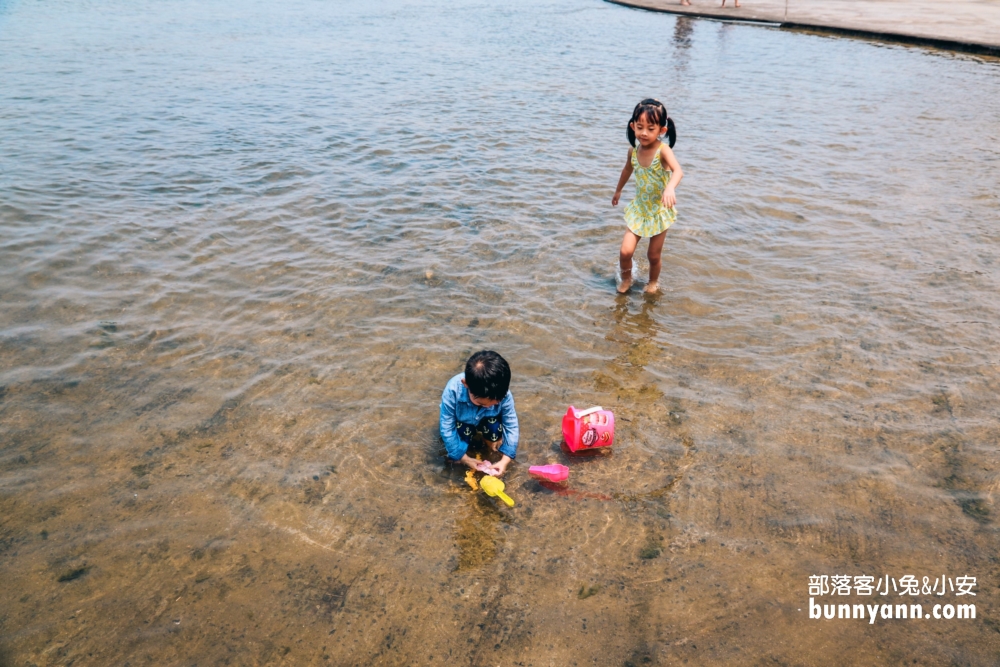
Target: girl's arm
(626,174)
(676,174)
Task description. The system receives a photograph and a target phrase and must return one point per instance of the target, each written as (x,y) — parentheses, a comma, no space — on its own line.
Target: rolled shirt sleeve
(511,431)
(449,433)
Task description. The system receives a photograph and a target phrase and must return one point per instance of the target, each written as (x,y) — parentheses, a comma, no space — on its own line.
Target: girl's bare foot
(651,288)
(685,3)
(624,280)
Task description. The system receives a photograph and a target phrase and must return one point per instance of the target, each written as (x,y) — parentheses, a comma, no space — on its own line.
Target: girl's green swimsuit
(646,215)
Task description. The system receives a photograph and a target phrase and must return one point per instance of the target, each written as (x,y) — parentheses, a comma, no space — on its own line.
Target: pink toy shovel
(552,473)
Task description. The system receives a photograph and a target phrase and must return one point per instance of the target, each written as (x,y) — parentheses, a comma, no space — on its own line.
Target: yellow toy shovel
(494,487)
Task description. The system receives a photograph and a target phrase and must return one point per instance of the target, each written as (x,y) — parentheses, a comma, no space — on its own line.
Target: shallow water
(242,249)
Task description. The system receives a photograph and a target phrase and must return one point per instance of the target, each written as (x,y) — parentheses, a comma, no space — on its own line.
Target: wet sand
(966,25)
(229,304)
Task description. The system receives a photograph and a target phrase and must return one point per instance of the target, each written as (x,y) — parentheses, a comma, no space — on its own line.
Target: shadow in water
(636,332)
(478,534)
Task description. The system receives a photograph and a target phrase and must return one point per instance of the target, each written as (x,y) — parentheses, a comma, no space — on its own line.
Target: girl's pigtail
(671,132)
(630,133)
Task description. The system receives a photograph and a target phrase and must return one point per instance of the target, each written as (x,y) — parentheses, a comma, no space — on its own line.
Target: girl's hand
(669,198)
(614,200)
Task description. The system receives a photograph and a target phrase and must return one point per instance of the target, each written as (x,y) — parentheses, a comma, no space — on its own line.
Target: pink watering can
(552,473)
(588,429)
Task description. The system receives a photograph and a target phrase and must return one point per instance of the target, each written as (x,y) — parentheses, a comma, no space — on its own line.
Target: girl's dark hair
(655,112)
(487,375)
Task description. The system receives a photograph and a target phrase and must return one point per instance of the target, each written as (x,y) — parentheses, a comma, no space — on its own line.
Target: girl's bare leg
(655,249)
(625,260)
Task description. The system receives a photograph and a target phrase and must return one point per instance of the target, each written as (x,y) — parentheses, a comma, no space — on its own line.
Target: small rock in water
(428,274)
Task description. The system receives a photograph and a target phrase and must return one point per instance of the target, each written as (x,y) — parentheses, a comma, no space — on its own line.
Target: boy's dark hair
(655,112)
(487,375)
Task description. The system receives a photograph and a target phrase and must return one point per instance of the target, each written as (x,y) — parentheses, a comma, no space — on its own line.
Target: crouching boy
(477,409)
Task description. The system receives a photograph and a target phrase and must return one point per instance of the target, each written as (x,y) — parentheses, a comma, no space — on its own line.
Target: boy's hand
(472,463)
(500,467)
(614,200)
(487,467)
(479,466)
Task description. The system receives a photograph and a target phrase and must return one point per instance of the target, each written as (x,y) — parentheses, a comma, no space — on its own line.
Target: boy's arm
(511,430)
(452,443)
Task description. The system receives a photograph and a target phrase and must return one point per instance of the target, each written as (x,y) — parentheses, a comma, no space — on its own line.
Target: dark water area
(243,246)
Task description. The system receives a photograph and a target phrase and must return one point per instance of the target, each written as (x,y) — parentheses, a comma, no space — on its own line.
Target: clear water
(243,246)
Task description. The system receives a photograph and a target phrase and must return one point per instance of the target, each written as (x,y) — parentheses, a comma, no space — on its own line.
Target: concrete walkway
(962,25)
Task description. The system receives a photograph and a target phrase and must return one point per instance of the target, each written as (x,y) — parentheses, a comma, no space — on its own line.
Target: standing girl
(657,174)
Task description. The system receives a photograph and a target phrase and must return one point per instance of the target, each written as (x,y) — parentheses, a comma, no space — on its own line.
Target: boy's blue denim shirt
(456,407)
